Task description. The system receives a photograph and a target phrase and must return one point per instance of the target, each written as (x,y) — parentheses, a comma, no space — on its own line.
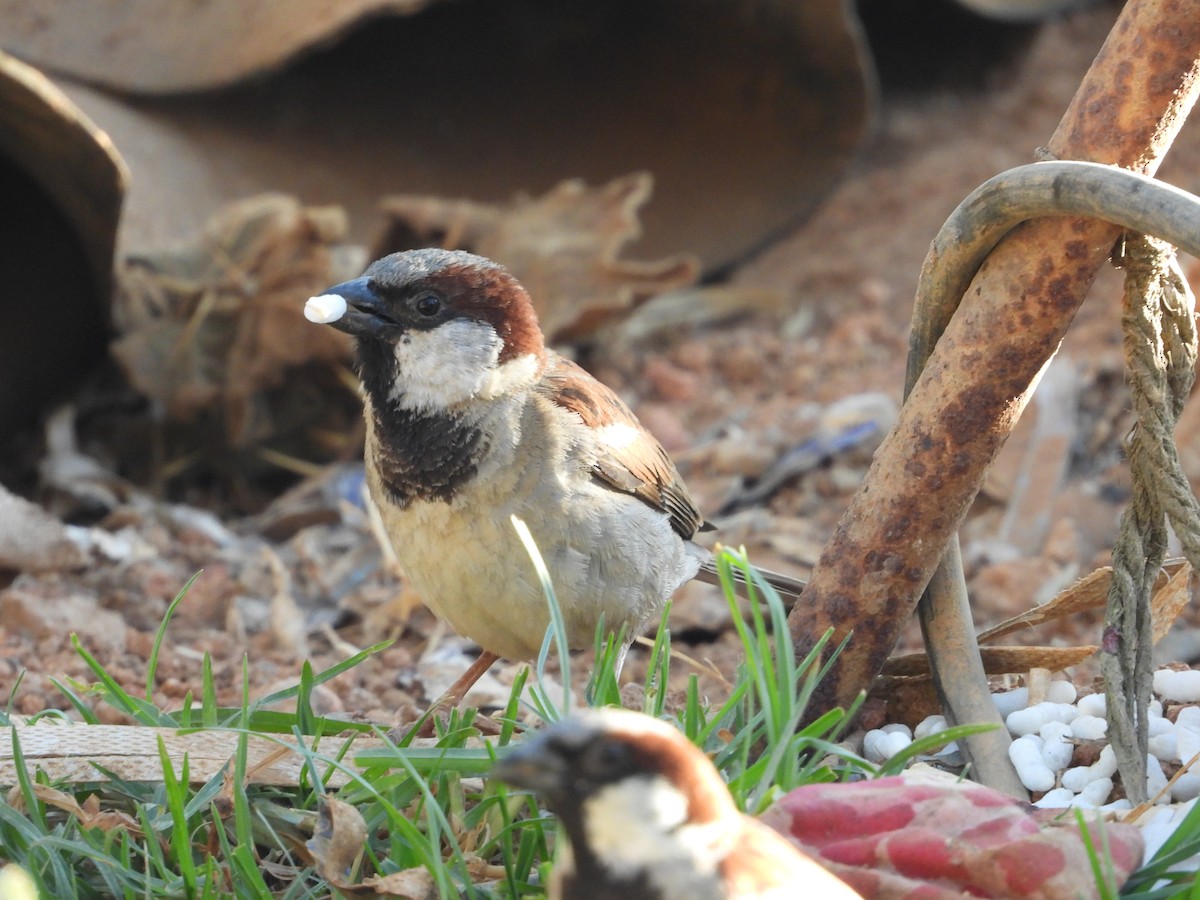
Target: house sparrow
(648,817)
(471,419)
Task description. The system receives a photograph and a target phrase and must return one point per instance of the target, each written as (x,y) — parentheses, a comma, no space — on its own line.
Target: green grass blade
(323,676)
(140,710)
(161,633)
(557,627)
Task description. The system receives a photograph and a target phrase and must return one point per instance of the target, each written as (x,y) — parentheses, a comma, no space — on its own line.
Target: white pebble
(1182,687)
(896,742)
(1156,708)
(1189,717)
(1165,747)
(1118,805)
(898,728)
(325,309)
(1077,778)
(1056,752)
(1059,798)
(1031,719)
(1061,692)
(1026,756)
(1089,728)
(1027,721)
(1155,834)
(1010,701)
(1161,816)
(1096,793)
(1179,813)
(930,725)
(1187,743)
(1186,787)
(1156,781)
(1159,725)
(1106,765)
(873,742)
(880,746)
(1092,705)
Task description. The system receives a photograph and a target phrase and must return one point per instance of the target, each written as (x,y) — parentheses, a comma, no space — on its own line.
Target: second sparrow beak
(532,767)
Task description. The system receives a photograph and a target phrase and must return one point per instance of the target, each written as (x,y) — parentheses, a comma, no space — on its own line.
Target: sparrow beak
(355,308)
(532,767)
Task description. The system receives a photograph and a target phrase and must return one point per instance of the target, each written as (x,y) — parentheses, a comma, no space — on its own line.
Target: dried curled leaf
(563,246)
(1000,660)
(89,814)
(220,320)
(338,842)
(1171,594)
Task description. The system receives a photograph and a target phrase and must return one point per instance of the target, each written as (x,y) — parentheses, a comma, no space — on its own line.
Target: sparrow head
(630,790)
(648,817)
(436,329)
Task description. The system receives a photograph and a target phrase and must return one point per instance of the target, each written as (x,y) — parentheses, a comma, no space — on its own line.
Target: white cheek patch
(325,308)
(515,373)
(454,363)
(631,823)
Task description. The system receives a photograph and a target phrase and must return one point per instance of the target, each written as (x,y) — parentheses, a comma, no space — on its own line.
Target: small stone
(929,725)
(1061,692)
(1026,756)
(1156,781)
(1009,702)
(1056,751)
(1164,747)
(1096,792)
(1106,765)
(1089,728)
(1077,778)
(1185,788)
(1092,705)
(1187,743)
(1188,717)
(26,613)
(1058,798)
(1181,687)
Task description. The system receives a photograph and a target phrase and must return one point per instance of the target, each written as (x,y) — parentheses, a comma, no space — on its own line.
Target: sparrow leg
(457,692)
(454,695)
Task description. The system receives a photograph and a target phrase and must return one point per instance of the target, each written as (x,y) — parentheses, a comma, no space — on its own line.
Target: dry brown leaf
(563,246)
(410,884)
(220,320)
(90,815)
(1091,592)
(418,883)
(999,660)
(1170,599)
(338,842)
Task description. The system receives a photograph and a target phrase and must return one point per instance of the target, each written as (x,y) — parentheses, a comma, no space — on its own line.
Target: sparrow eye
(608,758)
(428,304)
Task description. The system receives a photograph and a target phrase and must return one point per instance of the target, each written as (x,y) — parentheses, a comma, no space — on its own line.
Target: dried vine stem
(967,399)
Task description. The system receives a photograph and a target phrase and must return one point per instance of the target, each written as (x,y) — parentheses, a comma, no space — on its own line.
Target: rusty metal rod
(885,549)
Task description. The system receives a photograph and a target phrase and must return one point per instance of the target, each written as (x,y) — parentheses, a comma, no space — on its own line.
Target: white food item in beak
(325,309)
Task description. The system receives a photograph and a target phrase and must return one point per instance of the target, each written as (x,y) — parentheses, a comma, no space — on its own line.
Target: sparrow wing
(631,460)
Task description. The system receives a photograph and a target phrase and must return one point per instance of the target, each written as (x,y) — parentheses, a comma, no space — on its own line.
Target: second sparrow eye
(428,304)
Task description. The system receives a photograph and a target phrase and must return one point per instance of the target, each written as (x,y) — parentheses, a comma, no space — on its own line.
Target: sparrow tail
(789,588)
